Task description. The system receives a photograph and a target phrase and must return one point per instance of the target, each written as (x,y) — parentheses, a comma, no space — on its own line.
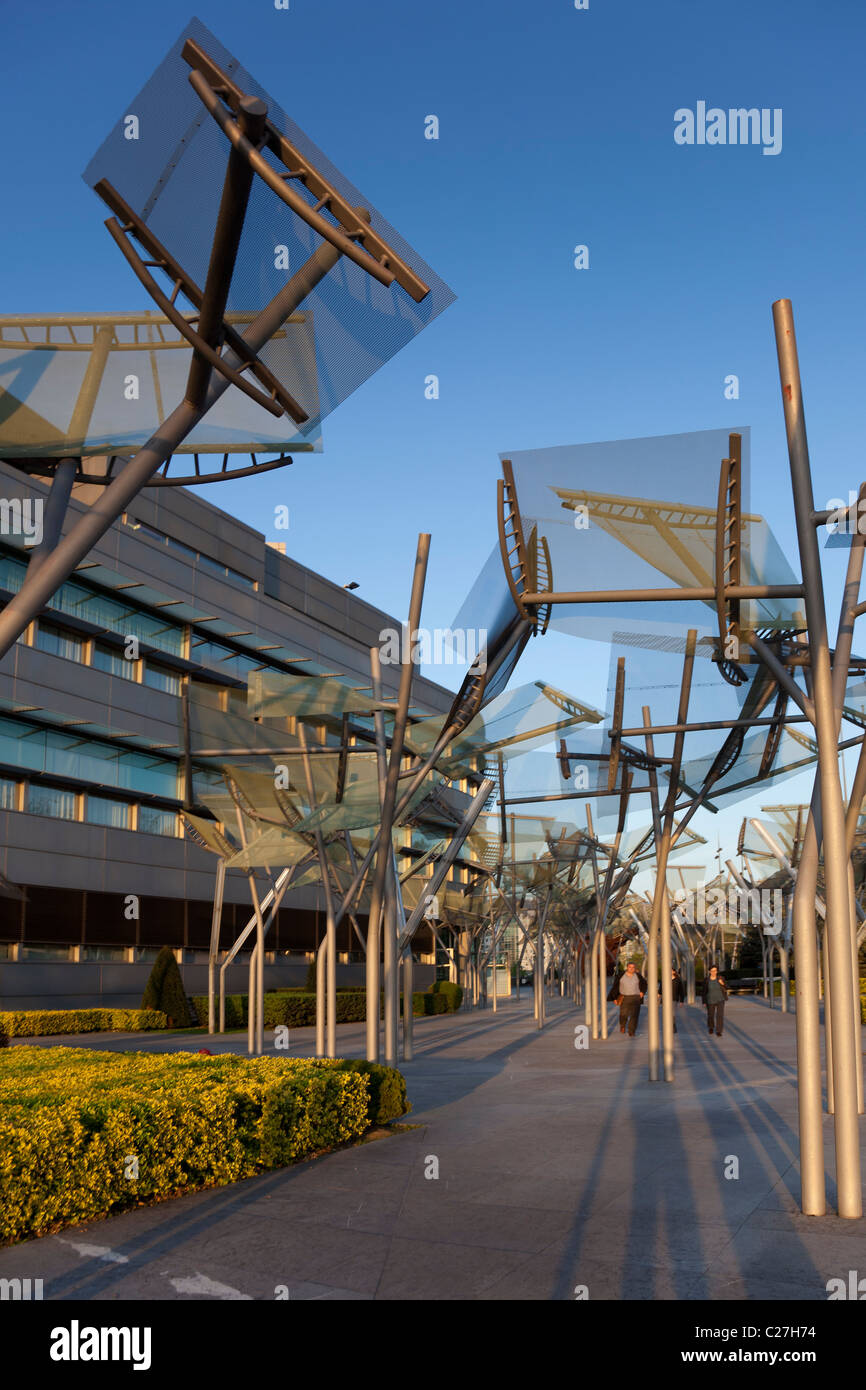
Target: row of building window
(125,620)
(40,799)
(68,754)
(59,641)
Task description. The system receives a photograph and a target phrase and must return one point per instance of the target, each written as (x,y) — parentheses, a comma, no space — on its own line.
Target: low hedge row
(40,1023)
(299,1010)
(85,1133)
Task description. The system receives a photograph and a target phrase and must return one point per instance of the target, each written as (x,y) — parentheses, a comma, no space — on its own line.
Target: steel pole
(216,920)
(832,814)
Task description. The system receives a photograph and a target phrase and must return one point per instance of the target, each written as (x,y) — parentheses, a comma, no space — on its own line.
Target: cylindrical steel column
(832,815)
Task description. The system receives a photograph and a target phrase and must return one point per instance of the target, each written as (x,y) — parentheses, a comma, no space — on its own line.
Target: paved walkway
(558,1169)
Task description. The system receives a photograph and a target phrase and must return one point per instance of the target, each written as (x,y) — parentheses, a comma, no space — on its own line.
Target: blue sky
(556,129)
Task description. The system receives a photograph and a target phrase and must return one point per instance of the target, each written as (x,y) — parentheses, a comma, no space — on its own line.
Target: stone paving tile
(434,1217)
(418,1269)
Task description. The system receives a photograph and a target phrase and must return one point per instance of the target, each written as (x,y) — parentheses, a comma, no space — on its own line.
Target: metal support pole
(373,972)
(56,505)
(408,1016)
(832,815)
(213,950)
(383,857)
(330,928)
(252,116)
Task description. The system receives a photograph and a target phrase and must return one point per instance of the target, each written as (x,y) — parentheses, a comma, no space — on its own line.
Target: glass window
(105,810)
(89,760)
(119,617)
(58,641)
(216,657)
(50,801)
(8,794)
(160,678)
(154,821)
(11,573)
(112,661)
(107,953)
(46,952)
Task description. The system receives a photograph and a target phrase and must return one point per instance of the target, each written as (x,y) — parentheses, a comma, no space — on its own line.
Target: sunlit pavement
(562,1173)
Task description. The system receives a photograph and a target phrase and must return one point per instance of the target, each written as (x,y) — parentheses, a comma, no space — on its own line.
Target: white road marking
(95,1252)
(208,1288)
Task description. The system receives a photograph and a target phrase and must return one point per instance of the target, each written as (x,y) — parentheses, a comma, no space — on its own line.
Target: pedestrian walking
(714,994)
(628,991)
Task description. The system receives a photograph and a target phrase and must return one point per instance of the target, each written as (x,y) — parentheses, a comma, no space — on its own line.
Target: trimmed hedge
(84,1133)
(299,1010)
(41,1023)
(453,993)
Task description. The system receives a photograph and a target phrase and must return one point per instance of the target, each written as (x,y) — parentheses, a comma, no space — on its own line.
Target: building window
(216,657)
(12,573)
(119,618)
(154,821)
(8,794)
(160,678)
(51,801)
(112,662)
(87,760)
(105,810)
(58,641)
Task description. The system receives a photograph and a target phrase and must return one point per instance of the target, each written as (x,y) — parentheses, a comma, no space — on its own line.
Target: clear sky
(556,129)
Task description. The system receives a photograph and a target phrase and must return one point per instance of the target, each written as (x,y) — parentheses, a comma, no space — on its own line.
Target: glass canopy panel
(275,695)
(172,176)
(788,825)
(101,383)
(512,723)
(641,514)
(488,614)
(274,848)
(796,752)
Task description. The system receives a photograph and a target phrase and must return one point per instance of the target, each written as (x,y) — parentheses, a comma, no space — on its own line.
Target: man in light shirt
(628,991)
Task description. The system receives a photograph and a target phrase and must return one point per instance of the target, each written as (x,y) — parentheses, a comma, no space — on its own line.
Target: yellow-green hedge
(40,1023)
(86,1133)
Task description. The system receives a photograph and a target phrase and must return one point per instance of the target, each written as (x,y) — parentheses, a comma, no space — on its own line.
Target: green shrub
(164,990)
(71,1117)
(4,1036)
(298,1010)
(452,992)
(41,1023)
(387,1098)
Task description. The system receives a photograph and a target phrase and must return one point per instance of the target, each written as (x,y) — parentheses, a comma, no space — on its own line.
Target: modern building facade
(99,873)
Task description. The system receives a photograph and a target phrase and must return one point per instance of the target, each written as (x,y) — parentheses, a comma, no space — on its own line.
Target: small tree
(164,990)
(310,982)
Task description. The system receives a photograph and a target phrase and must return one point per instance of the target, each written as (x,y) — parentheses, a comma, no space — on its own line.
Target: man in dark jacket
(714,993)
(628,991)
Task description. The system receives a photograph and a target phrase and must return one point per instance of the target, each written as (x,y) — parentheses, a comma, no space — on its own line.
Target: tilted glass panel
(640,514)
(101,383)
(173,175)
